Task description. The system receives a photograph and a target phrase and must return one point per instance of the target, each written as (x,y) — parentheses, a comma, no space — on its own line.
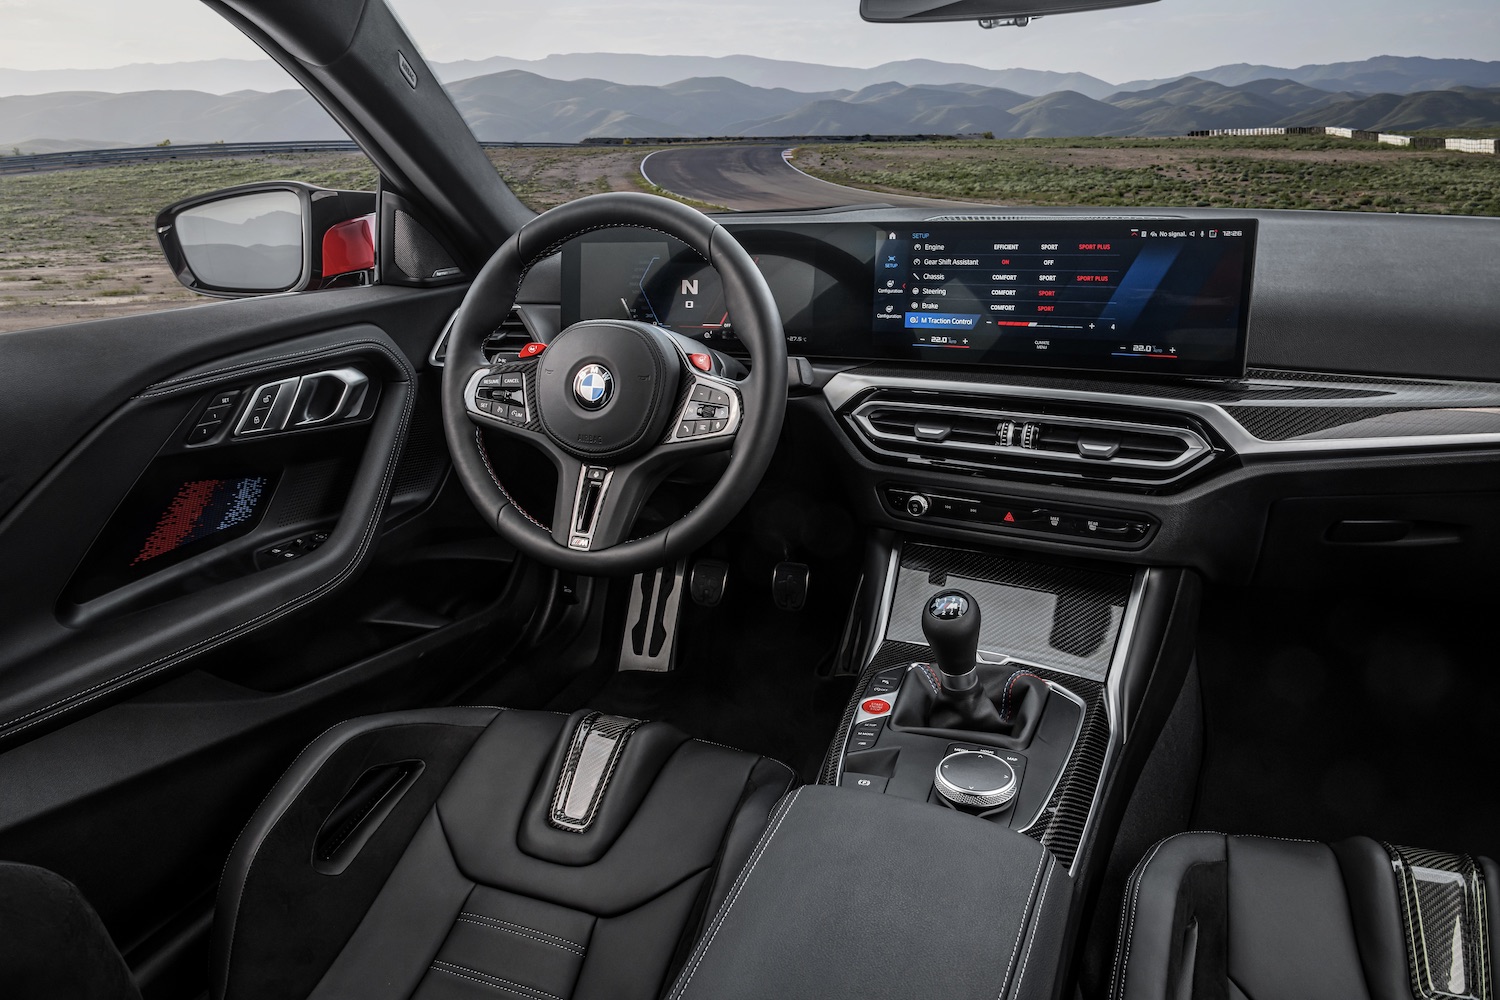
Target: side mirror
(989,13)
(279,236)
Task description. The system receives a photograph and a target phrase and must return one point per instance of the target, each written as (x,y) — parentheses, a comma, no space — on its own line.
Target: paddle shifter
(956,696)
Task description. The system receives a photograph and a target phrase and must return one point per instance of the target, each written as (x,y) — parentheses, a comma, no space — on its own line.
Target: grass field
(1297,172)
(78,244)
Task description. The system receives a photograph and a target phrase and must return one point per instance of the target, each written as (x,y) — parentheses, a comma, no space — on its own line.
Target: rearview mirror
(990,13)
(258,239)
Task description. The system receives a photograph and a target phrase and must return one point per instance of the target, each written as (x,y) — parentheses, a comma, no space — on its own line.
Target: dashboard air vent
(508,339)
(987,434)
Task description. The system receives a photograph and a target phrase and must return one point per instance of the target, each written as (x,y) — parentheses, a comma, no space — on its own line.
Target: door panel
(162,658)
(90,620)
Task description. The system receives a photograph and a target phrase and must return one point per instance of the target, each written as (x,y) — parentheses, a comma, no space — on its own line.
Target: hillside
(518,106)
(1382,74)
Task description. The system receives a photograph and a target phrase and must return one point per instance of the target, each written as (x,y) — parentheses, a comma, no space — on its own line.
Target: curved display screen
(1169,297)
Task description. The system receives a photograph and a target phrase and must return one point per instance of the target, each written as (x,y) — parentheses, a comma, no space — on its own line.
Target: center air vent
(983,433)
(508,339)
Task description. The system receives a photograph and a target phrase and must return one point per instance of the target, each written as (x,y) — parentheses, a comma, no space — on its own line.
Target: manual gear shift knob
(951,624)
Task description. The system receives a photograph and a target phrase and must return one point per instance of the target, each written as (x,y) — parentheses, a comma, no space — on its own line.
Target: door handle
(328,397)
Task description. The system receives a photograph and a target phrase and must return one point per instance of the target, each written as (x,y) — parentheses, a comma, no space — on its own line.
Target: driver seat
(468,852)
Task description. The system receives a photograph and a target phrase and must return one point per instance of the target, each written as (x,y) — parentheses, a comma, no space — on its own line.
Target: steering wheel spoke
(501,397)
(709,417)
(597,504)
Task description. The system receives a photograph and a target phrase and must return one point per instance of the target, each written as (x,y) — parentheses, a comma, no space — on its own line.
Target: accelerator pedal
(651,623)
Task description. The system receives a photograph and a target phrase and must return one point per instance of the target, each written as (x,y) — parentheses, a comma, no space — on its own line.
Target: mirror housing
(991,12)
(269,237)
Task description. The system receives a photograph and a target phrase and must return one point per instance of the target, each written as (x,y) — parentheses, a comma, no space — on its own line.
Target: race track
(756,178)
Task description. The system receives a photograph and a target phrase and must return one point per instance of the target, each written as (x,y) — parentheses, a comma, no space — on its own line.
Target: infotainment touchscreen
(1144,296)
(1154,296)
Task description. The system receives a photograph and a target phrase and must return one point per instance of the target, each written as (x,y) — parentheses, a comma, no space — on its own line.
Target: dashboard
(1164,297)
(1357,436)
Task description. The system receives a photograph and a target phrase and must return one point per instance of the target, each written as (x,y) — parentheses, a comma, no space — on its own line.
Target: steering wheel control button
(593,386)
(976,778)
(531,350)
(512,380)
(702,362)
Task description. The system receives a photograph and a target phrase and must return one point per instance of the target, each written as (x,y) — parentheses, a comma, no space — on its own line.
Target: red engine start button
(876,706)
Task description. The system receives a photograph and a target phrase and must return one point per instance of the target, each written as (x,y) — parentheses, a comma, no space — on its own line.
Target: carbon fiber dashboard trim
(1064,617)
(1266,414)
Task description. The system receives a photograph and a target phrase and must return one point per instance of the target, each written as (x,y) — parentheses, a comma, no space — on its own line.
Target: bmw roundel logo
(592,386)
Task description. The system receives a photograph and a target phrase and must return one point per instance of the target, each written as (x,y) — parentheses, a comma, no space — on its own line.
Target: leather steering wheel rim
(760,398)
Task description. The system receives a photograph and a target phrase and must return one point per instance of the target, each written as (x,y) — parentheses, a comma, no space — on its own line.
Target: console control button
(863,782)
(876,706)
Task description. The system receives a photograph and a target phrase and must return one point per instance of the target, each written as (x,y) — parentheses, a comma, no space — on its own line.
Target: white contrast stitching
(735,895)
(484,456)
(250,862)
(494,982)
(1126,937)
(494,923)
(1040,903)
(1010,963)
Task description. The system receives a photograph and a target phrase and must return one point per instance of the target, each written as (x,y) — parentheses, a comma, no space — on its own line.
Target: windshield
(1349,105)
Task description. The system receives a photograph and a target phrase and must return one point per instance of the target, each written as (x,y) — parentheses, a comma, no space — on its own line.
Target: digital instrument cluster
(1153,296)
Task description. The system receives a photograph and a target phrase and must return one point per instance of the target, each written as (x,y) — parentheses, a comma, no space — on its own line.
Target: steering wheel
(615,404)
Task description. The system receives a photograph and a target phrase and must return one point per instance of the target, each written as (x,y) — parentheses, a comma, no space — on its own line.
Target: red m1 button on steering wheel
(876,706)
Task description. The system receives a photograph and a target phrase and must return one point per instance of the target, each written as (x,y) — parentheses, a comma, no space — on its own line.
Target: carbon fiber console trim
(1061,616)
(1072,641)
(1063,820)
(1445,917)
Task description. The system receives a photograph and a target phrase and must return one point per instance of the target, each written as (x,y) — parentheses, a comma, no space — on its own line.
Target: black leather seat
(1214,916)
(485,853)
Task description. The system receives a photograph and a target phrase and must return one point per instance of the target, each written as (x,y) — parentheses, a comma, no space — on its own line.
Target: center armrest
(855,895)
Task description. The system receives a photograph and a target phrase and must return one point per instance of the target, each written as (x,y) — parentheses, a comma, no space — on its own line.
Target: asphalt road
(756,178)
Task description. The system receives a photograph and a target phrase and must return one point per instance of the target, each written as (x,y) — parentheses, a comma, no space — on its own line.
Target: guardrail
(1488,146)
(35,162)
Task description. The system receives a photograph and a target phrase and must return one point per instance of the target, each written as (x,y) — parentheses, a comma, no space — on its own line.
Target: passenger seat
(1258,918)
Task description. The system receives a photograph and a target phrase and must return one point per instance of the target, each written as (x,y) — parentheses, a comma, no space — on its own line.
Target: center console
(989,690)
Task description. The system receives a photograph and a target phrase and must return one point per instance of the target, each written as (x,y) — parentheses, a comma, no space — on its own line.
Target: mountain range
(1383,74)
(520,106)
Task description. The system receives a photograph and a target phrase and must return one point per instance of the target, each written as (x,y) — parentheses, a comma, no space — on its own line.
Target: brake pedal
(651,622)
(707,582)
(789,585)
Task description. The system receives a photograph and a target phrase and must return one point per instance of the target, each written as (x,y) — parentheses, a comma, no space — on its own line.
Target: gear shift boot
(1002,709)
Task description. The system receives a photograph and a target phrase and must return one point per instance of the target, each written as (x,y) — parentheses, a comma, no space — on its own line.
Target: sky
(1161,39)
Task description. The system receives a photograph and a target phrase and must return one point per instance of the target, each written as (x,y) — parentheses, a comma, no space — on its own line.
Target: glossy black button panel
(502,394)
(1017,515)
(292,548)
(213,416)
(708,410)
